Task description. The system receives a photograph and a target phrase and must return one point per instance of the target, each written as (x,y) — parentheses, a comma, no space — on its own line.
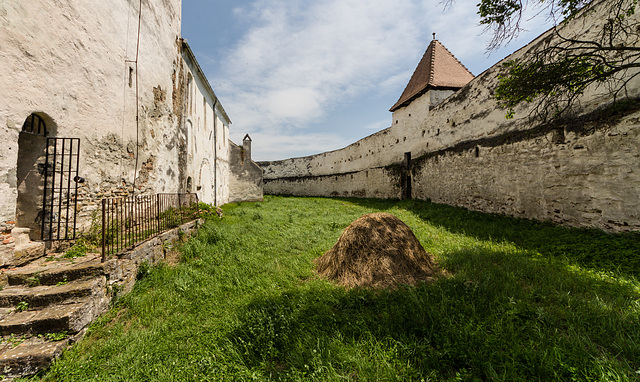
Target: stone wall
(79,67)
(584,175)
(206,128)
(583,172)
(245,176)
(371,183)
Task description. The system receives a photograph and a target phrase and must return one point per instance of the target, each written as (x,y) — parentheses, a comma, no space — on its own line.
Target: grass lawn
(525,301)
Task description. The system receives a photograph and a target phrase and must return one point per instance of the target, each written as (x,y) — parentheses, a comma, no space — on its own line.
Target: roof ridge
(432,46)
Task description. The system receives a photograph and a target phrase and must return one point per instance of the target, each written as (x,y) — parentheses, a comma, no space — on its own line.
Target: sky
(303,77)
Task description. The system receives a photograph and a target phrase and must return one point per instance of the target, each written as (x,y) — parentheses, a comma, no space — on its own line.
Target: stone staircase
(47,300)
(45,305)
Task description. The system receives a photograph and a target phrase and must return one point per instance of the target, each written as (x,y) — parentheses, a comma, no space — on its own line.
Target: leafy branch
(554,75)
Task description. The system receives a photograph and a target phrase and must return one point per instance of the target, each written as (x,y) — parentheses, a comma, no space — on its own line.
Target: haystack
(377,251)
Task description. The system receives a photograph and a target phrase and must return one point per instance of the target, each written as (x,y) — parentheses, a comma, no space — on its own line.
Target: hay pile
(377,251)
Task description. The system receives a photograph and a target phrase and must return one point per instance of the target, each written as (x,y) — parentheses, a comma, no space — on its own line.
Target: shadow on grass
(504,317)
(590,248)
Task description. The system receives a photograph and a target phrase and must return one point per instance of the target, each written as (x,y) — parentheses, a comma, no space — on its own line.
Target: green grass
(526,301)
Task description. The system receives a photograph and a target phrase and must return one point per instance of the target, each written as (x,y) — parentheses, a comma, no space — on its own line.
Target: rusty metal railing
(128,221)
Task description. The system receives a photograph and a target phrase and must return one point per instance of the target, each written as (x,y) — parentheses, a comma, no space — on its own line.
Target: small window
(35,125)
(189,91)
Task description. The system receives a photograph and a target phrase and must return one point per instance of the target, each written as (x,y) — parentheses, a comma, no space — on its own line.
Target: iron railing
(128,221)
(59,203)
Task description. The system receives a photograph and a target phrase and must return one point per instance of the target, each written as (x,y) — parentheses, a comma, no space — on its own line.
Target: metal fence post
(104,253)
(158,208)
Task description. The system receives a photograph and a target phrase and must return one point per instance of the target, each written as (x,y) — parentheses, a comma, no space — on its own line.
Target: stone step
(51,272)
(54,319)
(44,295)
(24,254)
(29,357)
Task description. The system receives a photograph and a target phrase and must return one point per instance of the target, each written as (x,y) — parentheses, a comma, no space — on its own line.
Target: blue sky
(304,77)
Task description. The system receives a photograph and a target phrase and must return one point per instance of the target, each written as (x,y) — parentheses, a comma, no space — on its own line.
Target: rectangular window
(204,107)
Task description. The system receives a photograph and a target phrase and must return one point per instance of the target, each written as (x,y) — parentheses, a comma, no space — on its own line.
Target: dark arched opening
(30,172)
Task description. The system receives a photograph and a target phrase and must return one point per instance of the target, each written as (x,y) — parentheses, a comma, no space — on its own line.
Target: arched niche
(205,182)
(190,139)
(32,143)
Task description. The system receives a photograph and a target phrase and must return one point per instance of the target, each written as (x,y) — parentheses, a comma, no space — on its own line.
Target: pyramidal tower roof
(437,69)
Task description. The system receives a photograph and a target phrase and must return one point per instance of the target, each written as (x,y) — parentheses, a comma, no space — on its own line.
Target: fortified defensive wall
(583,171)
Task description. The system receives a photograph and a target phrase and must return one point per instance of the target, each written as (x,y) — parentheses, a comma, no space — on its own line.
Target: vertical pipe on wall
(104,241)
(215,153)
(135,170)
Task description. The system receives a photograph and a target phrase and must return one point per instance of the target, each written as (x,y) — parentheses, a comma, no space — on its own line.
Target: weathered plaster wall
(580,182)
(222,163)
(206,123)
(207,130)
(371,183)
(245,176)
(581,175)
(72,63)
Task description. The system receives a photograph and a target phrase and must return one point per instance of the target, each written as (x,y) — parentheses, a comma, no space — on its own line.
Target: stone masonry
(582,172)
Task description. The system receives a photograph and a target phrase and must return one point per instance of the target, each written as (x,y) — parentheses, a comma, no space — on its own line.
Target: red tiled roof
(437,69)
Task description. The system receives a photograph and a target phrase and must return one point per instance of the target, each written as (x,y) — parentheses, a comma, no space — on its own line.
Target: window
(35,125)
(189,95)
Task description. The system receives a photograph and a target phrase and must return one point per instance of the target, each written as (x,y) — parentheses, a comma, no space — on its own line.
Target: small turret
(438,70)
(246,147)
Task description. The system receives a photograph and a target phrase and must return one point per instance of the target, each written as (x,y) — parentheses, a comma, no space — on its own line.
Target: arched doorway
(32,143)
(47,180)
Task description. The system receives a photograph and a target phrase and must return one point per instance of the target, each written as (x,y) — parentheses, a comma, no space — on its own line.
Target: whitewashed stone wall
(72,62)
(581,181)
(222,170)
(245,176)
(207,124)
(371,183)
(146,116)
(584,175)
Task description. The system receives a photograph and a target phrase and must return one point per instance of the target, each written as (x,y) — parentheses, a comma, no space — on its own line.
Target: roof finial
(434,35)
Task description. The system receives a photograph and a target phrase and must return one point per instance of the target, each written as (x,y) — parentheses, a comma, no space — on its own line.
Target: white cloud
(294,103)
(396,81)
(378,125)
(271,146)
(299,60)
